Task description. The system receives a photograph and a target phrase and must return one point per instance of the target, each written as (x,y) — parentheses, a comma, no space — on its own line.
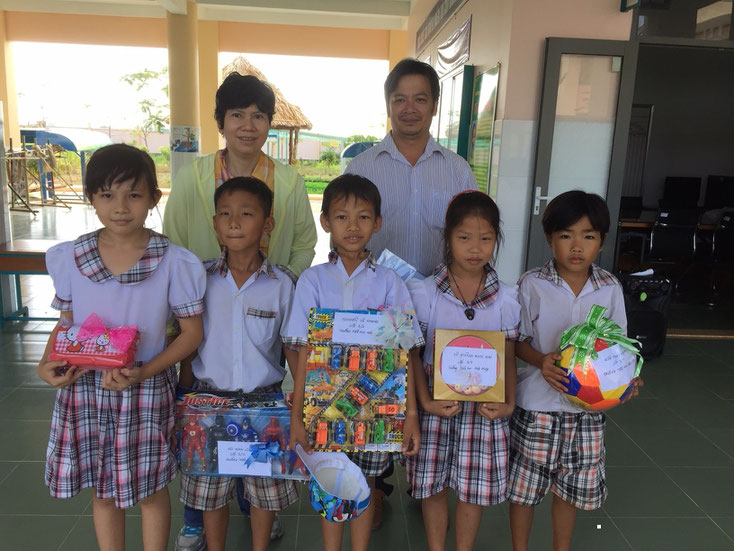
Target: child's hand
(442,408)
(554,375)
(411,435)
(118,379)
(298,435)
(638,382)
(59,373)
(493,410)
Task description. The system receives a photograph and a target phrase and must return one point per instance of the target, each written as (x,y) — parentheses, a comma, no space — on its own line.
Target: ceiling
(363,14)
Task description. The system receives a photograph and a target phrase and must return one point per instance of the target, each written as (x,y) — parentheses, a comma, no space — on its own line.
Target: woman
(244,110)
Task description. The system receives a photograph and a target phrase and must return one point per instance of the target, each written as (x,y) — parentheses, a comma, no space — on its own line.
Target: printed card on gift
(469,365)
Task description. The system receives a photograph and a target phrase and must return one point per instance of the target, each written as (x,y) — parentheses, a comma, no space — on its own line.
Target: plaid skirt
(467,453)
(116,442)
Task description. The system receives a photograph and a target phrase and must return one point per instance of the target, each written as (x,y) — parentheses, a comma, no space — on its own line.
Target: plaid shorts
(559,451)
(371,463)
(467,453)
(208,493)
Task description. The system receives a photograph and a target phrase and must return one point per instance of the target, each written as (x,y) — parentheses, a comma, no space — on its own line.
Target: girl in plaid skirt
(111,429)
(464,445)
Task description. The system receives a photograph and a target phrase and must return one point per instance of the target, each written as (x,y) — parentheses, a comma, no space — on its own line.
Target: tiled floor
(670,461)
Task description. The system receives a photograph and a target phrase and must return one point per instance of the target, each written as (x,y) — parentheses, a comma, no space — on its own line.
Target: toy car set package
(235,434)
(469,365)
(93,345)
(356,379)
(600,362)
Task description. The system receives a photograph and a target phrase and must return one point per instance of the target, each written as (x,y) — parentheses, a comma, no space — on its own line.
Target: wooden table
(23,257)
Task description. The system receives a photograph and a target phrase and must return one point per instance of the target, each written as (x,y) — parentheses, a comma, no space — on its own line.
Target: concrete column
(208,82)
(397,49)
(183,87)
(8,94)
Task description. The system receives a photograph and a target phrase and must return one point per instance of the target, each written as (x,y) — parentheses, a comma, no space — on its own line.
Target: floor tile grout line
(78,520)
(670,478)
(629,543)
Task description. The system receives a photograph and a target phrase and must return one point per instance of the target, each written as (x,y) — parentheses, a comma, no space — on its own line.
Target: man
(416,176)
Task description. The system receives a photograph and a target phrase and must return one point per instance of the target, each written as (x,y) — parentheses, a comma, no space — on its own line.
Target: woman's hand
(59,373)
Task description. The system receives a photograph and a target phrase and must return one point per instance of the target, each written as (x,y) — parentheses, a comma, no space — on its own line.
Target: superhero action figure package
(235,434)
(93,345)
(469,365)
(356,379)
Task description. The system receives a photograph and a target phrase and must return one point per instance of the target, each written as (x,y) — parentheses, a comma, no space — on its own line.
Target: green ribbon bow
(584,335)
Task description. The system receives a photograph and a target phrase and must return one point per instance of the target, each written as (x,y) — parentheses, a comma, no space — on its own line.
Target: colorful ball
(584,389)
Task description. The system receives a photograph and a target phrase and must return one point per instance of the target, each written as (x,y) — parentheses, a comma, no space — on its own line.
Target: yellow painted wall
(86,29)
(299,40)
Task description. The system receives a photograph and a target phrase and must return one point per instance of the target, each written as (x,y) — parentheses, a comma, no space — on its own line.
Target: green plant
(329,157)
(165,151)
(156,117)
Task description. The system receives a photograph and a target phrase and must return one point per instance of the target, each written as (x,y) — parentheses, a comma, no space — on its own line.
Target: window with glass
(704,20)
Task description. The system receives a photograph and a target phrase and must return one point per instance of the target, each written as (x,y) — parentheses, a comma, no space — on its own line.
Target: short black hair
(240,91)
(470,203)
(248,184)
(117,163)
(410,66)
(351,185)
(568,208)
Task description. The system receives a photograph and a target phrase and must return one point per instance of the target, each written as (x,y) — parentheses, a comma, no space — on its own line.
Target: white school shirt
(328,285)
(414,198)
(166,279)
(495,309)
(548,308)
(241,347)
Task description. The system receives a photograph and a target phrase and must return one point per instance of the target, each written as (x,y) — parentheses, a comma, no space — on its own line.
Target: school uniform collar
(598,276)
(89,261)
(220,266)
(487,295)
(387,145)
(370,262)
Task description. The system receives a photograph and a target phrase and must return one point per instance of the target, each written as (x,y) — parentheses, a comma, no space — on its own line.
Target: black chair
(722,252)
(673,241)
(680,192)
(630,207)
(719,192)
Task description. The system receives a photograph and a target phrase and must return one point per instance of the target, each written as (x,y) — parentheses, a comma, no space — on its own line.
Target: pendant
(469,313)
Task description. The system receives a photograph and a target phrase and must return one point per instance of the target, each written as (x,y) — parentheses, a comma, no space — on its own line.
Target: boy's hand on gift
(59,373)
(554,375)
(411,434)
(442,408)
(298,435)
(637,382)
(494,410)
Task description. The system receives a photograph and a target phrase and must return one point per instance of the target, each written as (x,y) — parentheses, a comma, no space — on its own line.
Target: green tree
(360,138)
(329,157)
(155,112)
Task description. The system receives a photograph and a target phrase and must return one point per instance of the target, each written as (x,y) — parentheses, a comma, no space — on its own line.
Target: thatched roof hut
(287,116)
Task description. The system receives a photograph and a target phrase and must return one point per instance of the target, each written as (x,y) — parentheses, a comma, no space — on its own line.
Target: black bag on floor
(647,299)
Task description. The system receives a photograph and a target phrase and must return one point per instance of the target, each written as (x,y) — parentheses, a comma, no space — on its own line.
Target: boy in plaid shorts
(350,280)
(246,301)
(555,445)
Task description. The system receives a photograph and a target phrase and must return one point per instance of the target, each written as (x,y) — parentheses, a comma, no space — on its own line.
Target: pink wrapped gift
(94,345)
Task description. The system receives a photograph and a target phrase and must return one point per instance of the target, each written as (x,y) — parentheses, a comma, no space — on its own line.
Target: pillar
(8,94)
(209,78)
(183,87)
(396,50)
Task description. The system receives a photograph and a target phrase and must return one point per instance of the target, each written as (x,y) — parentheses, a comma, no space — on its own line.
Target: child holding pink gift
(111,429)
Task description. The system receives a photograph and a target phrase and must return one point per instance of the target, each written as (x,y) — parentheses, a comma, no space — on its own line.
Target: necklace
(468,311)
